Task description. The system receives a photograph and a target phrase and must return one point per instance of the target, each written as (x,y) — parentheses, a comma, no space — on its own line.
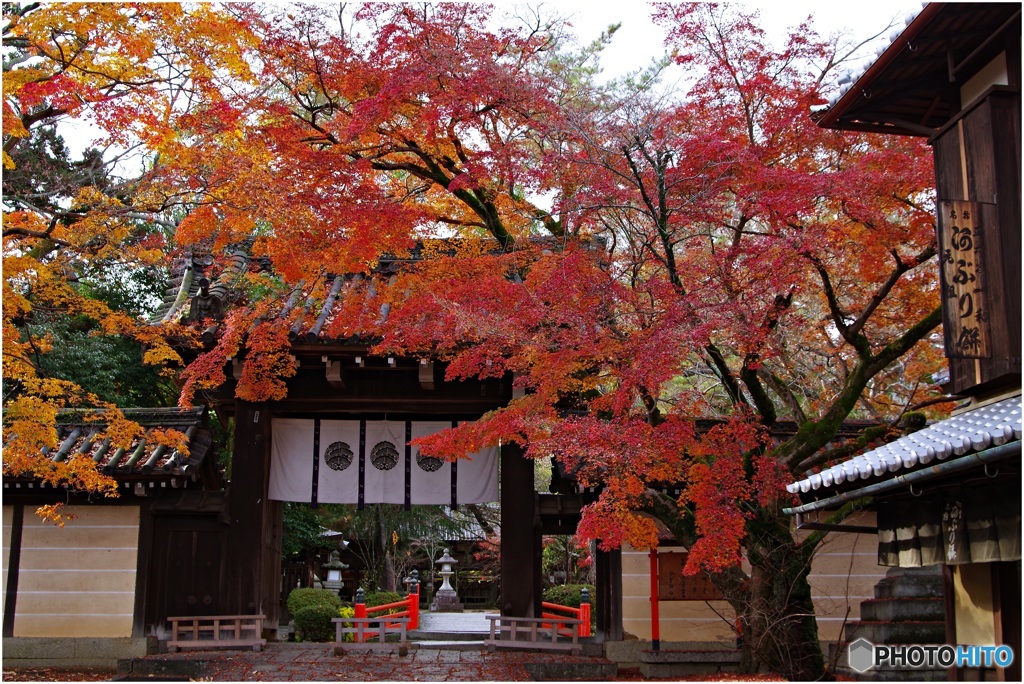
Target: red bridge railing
(410,608)
(556,610)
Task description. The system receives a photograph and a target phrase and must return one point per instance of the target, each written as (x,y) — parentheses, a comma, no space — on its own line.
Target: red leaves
(268,362)
(719,491)
(613,523)
(710,206)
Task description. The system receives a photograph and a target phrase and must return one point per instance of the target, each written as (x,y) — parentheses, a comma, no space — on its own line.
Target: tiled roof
(311,323)
(850,76)
(972,431)
(318,303)
(187,271)
(142,462)
(912,85)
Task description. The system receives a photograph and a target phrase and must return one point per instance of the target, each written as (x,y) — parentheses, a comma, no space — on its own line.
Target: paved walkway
(302,662)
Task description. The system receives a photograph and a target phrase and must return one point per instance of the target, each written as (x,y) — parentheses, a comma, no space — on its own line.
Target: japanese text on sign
(965,307)
(673,585)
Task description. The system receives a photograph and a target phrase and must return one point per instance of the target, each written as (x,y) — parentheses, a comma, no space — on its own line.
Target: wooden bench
(216,631)
(386,625)
(534,633)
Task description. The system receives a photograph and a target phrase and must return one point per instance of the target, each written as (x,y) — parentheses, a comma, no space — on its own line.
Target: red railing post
(360,609)
(414,606)
(584,613)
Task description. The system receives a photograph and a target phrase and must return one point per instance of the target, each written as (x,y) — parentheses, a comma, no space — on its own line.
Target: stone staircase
(908,608)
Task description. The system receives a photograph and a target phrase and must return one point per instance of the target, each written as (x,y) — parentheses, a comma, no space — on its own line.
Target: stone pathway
(289,662)
(455,622)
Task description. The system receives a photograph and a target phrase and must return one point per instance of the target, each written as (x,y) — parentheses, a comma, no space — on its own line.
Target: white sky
(638,40)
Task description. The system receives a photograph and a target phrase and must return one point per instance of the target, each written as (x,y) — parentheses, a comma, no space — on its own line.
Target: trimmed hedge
(314,622)
(569,594)
(382,598)
(309,596)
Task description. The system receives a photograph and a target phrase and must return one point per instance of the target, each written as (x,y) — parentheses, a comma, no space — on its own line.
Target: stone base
(627,653)
(446,601)
(74,651)
(134,669)
(682,663)
(567,672)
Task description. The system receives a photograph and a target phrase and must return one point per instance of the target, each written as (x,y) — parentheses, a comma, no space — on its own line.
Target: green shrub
(313,623)
(382,598)
(301,598)
(569,595)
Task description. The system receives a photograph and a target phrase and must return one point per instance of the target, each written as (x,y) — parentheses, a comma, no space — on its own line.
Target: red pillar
(360,610)
(414,606)
(655,630)
(585,619)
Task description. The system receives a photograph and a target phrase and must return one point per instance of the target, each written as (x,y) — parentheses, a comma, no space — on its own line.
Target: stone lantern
(446,600)
(333,568)
(412,582)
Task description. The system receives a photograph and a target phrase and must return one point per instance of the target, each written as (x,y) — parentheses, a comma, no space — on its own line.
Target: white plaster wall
(78,580)
(843,573)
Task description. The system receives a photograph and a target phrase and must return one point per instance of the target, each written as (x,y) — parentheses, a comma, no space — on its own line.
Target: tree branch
(886,287)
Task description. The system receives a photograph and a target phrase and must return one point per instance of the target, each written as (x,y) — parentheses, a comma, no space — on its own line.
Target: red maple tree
(639,260)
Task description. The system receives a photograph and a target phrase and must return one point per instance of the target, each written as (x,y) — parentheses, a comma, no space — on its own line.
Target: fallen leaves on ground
(58,674)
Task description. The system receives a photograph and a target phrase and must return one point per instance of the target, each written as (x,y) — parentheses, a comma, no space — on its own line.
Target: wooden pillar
(144,572)
(655,619)
(520,540)
(1006,599)
(609,595)
(13,567)
(273,536)
(949,602)
(251,561)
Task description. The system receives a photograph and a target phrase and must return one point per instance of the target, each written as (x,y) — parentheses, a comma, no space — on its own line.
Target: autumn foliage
(127,70)
(668,275)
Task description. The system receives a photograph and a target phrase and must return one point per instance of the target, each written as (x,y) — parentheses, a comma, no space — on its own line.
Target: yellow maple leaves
(134,72)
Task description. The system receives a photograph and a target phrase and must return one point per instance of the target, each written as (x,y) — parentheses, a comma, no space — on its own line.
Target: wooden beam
(143,570)
(520,541)
(13,565)
(332,371)
(247,511)
(609,595)
(426,374)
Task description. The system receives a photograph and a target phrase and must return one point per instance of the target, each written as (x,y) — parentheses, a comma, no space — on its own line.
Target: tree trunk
(779,630)
(779,633)
(387,575)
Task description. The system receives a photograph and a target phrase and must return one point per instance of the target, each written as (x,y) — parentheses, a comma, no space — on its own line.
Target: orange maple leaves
(126,73)
(675,273)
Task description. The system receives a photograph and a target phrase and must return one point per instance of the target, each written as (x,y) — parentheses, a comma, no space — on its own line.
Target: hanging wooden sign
(673,585)
(964,299)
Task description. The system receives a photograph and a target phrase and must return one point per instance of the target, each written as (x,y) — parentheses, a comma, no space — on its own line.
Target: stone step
(681,663)
(667,670)
(887,675)
(910,583)
(144,669)
(903,610)
(568,672)
(909,632)
(453,645)
(419,635)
